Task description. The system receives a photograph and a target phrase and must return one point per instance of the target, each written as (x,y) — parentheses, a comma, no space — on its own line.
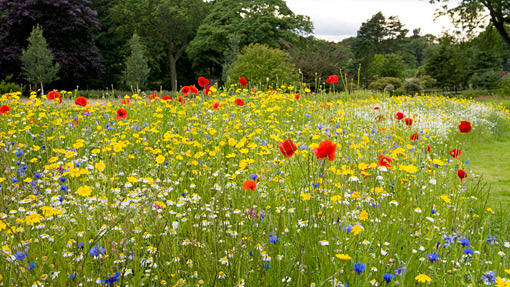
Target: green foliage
(137,69)
(318,59)
(504,84)
(412,86)
(8,87)
(37,60)
(445,65)
(390,65)
(261,64)
(255,21)
(485,80)
(231,53)
(168,25)
(427,81)
(382,83)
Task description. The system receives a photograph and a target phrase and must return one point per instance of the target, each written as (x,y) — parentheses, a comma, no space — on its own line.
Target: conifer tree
(137,69)
(37,60)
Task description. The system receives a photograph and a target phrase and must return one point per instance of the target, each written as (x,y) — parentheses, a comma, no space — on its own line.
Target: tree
(318,58)
(390,65)
(445,64)
(268,22)
(471,13)
(66,25)
(385,35)
(37,60)
(168,25)
(262,65)
(137,69)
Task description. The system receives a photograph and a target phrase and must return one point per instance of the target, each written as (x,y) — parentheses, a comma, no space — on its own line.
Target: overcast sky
(335,20)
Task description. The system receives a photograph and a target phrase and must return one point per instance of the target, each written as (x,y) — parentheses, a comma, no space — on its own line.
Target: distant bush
(260,64)
(485,80)
(381,83)
(427,82)
(7,87)
(504,83)
(412,86)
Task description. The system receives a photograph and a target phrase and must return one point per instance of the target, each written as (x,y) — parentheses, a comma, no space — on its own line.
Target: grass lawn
(490,159)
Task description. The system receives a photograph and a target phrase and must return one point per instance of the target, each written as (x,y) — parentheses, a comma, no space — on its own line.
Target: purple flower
(96,250)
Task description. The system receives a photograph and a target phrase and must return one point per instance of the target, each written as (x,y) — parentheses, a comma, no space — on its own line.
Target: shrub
(412,86)
(381,83)
(485,80)
(8,87)
(260,64)
(504,83)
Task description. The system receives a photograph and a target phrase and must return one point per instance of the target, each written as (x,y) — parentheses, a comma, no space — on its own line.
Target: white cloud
(338,19)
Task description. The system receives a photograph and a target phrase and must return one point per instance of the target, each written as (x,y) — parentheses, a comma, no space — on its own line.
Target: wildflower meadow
(245,187)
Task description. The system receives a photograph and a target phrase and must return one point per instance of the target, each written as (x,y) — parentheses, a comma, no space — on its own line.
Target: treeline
(167,44)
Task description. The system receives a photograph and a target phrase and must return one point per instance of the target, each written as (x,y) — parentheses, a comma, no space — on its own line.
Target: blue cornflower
(254,176)
(20,255)
(433,256)
(112,279)
(273,238)
(489,278)
(266,265)
(37,175)
(464,242)
(31,266)
(96,250)
(315,185)
(469,251)
(359,267)
(80,245)
(348,228)
(388,277)
(19,153)
(63,187)
(491,239)
(399,271)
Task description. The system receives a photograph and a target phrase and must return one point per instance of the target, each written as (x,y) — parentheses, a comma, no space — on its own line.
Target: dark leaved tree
(66,25)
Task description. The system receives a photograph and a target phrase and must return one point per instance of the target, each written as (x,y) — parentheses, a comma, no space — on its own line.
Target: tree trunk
(498,21)
(42,89)
(173,71)
(173,61)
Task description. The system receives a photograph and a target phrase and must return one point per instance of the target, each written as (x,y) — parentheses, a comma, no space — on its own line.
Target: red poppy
(455,153)
(249,185)
(202,81)
(240,102)
(81,101)
(53,95)
(125,102)
(333,79)
(409,122)
(182,100)
(325,149)
(4,109)
(208,91)
(428,148)
(415,136)
(385,161)
(287,148)
(121,114)
(167,99)
(216,105)
(153,97)
(193,90)
(465,127)
(399,116)
(376,108)
(243,81)
(462,174)
(185,90)
(297,96)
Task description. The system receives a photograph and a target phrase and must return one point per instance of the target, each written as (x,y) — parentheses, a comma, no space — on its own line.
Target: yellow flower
(33,218)
(377,190)
(445,198)
(363,215)
(507,271)
(355,195)
(356,229)
(437,162)
(336,198)
(84,191)
(100,166)
(422,278)
(408,168)
(69,154)
(160,159)
(502,282)
(343,257)
(305,196)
